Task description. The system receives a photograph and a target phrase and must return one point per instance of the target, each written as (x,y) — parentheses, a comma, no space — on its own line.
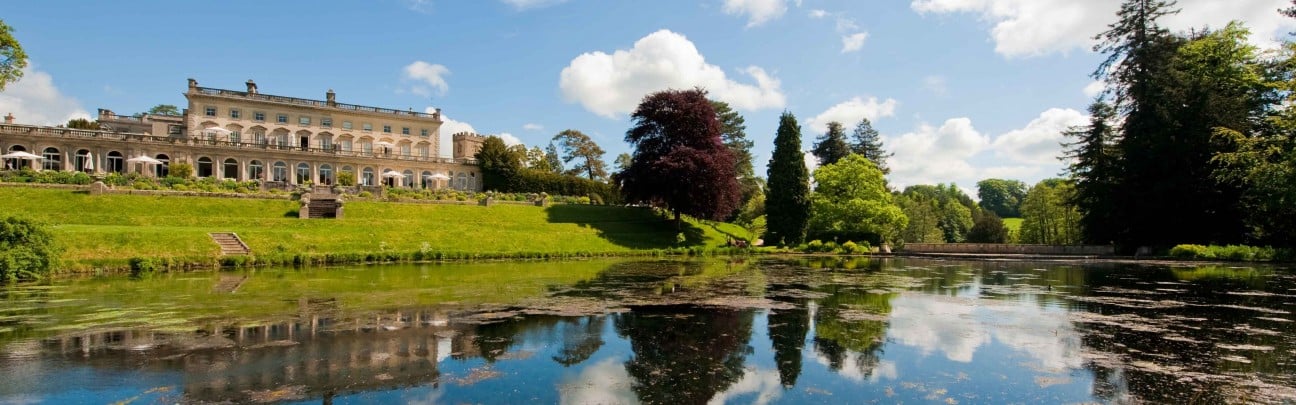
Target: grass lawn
(109,229)
(1013,224)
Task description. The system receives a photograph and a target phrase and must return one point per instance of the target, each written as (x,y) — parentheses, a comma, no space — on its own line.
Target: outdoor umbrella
(20,155)
(218,130)
(144,159)
(393,174)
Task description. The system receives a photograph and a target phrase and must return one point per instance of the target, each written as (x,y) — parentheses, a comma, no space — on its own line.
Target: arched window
(255,170)
(162,169)
(82,163)
(231,169)
(303,173)
(461,181)
(53,159)
(280,172)
(326,174)
(15,164)
(408,180)
(116,163)
(204,167)
(367,179)
(427,180)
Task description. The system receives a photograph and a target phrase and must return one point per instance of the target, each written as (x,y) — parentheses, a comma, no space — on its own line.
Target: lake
(745,330)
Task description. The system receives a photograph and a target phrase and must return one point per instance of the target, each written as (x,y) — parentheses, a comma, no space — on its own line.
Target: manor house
(246,135)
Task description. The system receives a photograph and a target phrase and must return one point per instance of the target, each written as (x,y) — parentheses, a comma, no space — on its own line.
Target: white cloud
(762,382)
(529,4)
(449,127)
(933,155)
(959,326)
(432,75)
(817,13)
(757,11)
(1037,27)
(605,382)
(1094,88)
(1040,142)
(850,112)
(34,100)
(853,42)
(421,6)
(509,139)
(533,127)
(614,84)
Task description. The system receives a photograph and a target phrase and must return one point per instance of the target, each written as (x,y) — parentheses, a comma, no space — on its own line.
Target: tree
(82,123)
(580,148)
(1048,216)
(622,162)
(499,165)
(27,250)
(12,57)
(987,228)
(536,160)
(164,109)
(555,162)
(1094,169)
(787,203)
(851,199)
(868,143)
(924,220)
(1003,197)
(953,209)
(733,133)
(679,161)
(832,146)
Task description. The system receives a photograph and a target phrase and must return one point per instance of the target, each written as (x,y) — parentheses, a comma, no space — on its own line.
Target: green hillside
(106,230)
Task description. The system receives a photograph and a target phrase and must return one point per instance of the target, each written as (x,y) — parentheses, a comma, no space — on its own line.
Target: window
(326,174)
(326,122)
(303,173)
(52,159)
(282,118)
(346,145)
(405,131)
(367,178)
(204,167)
(258,116)
(231,169)
(346,124)
(255,170)
(423,151)
(387,128)
(303,120)
(210,111)
(423,132)
(115,162)
(405,150)
(366,127)
(234,113)
(326,143)
(174,129)
(280,171)
(258,138)
(367,148)
(236,137)
(164,169)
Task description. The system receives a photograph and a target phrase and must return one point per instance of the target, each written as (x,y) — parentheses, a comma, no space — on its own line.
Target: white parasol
(144,160)
(392,174)
(20,155)
(218,130)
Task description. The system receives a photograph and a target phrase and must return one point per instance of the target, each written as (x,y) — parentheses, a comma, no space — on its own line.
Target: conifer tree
(1094,168)
(787,204)
(869,144)
(832,147)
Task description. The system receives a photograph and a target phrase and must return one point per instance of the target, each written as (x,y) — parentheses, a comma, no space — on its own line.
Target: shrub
(1190,252)
(814,246)
(27,250)
(365,194)
(180,169)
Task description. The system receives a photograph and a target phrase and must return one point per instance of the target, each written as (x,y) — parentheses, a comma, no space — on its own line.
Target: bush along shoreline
(1233,253)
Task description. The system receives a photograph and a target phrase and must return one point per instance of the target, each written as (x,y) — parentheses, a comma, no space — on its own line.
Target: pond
(753,330)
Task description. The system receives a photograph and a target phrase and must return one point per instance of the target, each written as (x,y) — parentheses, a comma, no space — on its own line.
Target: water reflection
(661,331)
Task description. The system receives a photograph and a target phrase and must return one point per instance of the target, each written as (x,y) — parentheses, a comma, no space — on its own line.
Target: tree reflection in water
(685,354)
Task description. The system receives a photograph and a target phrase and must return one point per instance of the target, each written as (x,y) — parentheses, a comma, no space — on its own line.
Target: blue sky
(960,89)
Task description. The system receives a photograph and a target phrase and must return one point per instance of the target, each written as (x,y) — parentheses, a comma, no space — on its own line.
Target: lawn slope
(106,230)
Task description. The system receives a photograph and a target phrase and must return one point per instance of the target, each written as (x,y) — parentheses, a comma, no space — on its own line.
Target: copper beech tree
(680,162)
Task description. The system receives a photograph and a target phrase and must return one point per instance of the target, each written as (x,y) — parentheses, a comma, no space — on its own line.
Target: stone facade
(246,135)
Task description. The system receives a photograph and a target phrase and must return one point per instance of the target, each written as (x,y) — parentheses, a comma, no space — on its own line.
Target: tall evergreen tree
(499,164)
(733,132)
(1094,167)
(832,146)
(555,162)
(868,143)
(787,204)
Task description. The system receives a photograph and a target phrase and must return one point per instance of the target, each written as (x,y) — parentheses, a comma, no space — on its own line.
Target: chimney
(192,83)
(9,118)
(331,97)
(251,86)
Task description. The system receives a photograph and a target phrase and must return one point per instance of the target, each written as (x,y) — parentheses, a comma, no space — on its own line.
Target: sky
(961,90)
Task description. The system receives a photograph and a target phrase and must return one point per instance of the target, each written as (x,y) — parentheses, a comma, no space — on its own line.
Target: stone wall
(995,248)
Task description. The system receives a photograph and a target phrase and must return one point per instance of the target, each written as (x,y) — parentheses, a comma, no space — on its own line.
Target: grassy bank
(105,231)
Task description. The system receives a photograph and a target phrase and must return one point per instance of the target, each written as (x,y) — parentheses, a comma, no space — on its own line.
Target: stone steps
(230,244)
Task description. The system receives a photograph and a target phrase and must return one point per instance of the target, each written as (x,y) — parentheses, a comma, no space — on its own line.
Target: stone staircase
(230,244)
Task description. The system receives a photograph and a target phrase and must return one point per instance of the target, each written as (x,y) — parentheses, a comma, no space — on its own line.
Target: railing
(311,103)
(69,133)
